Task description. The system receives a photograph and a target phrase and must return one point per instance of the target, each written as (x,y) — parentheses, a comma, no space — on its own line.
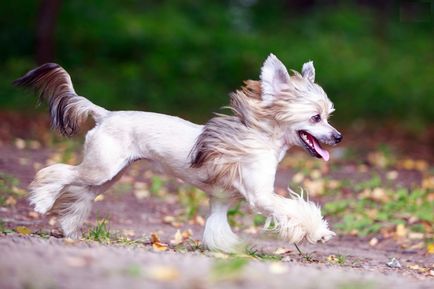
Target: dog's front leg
(218,235)
(290,215)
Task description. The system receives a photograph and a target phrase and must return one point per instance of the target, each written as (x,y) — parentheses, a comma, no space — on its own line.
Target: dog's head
(301,106)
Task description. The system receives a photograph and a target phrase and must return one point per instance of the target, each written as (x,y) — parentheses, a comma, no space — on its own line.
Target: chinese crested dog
(229,157)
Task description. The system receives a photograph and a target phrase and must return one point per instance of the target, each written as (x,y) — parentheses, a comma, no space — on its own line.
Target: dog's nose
(338,137)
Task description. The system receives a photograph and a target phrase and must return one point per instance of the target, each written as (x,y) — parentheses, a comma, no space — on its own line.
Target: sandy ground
(45,260)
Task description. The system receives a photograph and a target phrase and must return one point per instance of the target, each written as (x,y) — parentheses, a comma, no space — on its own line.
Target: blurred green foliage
(183,57)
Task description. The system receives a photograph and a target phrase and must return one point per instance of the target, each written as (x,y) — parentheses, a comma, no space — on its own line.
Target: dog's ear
(274,77)
(308,71)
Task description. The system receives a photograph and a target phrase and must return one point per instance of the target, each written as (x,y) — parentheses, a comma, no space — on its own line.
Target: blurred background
(183,57)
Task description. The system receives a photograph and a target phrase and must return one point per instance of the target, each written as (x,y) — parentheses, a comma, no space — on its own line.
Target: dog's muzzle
(337,137)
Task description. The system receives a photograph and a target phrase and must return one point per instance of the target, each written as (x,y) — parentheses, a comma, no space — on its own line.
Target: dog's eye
(316,118)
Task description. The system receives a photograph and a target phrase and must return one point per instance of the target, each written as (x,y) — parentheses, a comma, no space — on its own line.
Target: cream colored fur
(229,157)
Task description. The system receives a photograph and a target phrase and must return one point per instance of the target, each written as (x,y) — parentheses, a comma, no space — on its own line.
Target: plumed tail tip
(35,74)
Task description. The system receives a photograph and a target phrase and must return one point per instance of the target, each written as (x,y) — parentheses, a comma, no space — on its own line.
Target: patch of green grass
(369,212)
(308,257)
(191,199)
(9,187)
(43,234)
(373,182)
(336,207)
(234,213)
(341,259)
(4,229)
(356,284)
(122,188)
(133,270)
(259,220)
(263,256)
(69,148)
(100,232)
(125,241)
(229,268)
(157,183)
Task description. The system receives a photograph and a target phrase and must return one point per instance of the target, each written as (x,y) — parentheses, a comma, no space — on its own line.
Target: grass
(376,208)
(337,259)
(262,256)
(191,200)
(99,233)
(231,268)
(4,229)
(9,188)
(157,183)
(354,284)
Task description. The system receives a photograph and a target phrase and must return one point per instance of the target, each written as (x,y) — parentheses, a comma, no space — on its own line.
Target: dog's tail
(67,109)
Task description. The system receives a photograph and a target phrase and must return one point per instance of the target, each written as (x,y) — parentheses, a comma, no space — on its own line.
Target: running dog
(229,157)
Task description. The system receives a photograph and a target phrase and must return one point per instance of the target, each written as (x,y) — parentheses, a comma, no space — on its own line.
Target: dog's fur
(230,156)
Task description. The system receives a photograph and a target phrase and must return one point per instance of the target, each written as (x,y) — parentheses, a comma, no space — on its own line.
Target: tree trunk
(45,31)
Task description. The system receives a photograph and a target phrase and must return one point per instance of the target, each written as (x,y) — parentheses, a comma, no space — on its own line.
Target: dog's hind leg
(73,207)
(218,235)
(72,188)
(48,185)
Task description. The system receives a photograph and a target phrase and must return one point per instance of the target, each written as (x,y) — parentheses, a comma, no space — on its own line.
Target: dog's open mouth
(312,145)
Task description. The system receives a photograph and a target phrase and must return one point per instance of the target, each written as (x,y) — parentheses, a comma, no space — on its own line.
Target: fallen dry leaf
(70,241)
(197,220)
(401,231)
(298,178)
(172,221)
(156,243)
(379,194)
(186,234)
(428,183)
(315,174)
(159,247)
(418,268)
(99,198)
(314,187)
(251,230)
(373,242)
(33,215)
(177,239)
(128,232)
(219,255)
(10,201)
(430,248)
(23,230)
(378,159)
(155,238)
(282,251)
(415,236)
(34,145)
(392,175)
(164,273)
(20,143)
(333,184)
(332,259)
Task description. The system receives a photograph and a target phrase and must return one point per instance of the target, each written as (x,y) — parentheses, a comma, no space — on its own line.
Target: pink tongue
(325,154)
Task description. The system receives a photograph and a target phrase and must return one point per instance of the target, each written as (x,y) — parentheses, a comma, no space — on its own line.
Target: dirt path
(29,262)
(142,203)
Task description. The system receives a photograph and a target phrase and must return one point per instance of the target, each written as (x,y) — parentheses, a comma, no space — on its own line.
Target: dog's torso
(144,135)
